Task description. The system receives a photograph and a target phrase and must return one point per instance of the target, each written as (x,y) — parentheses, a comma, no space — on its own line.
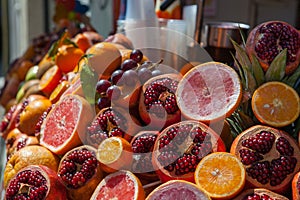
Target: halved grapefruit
(119,185)
(209,92)
(64,126)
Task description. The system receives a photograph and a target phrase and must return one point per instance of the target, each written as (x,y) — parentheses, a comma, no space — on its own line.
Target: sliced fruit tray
(95,118)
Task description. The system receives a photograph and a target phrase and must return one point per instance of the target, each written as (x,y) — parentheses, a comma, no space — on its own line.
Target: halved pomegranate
(180,147)
(158,107)
(270,156)
(259,194)
(111,121)
(36,182)
(80,172)
(142,145)
(268,39)
(17,140)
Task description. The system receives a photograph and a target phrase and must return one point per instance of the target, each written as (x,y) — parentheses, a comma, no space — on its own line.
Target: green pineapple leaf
(89,79)
(258,71)
(292,79)
(242,56)
(276,71)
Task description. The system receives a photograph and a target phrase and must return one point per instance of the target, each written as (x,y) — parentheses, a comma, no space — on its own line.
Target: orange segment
(221,175)
(275,104)
(114,153)
(209,92)
(50,80)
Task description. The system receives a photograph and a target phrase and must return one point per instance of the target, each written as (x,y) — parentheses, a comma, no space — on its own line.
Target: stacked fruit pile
(105,122)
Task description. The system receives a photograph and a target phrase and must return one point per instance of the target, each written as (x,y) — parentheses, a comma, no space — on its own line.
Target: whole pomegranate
(80,172)
(35,182)
(180,147)
(270,156)
(268,39)
(158,107)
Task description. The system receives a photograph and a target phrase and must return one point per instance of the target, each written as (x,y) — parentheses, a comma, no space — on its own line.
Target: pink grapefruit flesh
(209,92)
(65,124)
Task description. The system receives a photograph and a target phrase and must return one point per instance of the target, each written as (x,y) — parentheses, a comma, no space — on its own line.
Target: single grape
(136,55)
(102,86)
(103,102)
(144,74)
(130,77)
(146,64)
(128,64)
(115,76)
(113,92)
(156,72)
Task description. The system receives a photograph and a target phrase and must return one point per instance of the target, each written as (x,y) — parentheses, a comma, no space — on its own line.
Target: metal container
(218,34)
(217,39)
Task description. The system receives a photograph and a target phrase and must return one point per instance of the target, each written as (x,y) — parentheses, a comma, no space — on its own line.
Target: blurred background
(23,21)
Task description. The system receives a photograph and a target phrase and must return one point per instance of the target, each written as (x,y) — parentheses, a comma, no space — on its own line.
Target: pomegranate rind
(79,110)
(139,193)
(164,175)
(252,183)
(260,191)
(218,181)
(151,120)
(29,155)
(57,189)
(295,186)
(179,189)
(253,38)
(200,97)
(85,191)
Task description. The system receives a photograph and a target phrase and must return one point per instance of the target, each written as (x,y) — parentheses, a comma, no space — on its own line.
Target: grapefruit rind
(209,92)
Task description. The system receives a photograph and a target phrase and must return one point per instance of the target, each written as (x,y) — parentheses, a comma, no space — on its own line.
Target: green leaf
(242,56)
(69,41)
(292,79)
(240,71)
(258,71)
(276,71)
(54,47)
(89,79)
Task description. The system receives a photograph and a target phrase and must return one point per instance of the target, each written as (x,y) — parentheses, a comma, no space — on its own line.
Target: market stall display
(113,122)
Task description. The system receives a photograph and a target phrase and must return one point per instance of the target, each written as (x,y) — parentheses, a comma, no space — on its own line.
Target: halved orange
(209,92)
(58,91)
(119,185)
(50,80)
(221,175)
(114,153)
(275,104)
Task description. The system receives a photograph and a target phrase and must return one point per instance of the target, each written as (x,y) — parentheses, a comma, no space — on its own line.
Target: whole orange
(68,57)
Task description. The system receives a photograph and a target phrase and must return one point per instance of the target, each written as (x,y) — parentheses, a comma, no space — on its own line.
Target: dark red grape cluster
(132,71)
